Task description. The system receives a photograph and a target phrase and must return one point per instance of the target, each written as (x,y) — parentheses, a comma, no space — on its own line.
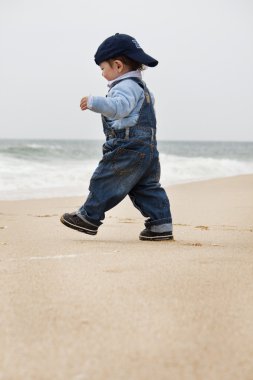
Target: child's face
(113,71)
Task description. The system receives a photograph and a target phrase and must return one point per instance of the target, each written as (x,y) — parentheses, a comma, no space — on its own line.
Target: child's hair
(133,65)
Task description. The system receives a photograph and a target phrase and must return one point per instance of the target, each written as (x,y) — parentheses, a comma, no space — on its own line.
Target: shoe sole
(77,228)
(156,238)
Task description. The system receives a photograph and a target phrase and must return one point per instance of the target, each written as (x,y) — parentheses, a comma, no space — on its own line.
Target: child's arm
(121,100)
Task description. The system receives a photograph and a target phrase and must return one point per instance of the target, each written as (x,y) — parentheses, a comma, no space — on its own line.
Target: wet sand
(77,307)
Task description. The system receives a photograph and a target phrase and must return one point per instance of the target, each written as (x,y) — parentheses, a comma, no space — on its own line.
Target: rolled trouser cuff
(162,228)
(157,222)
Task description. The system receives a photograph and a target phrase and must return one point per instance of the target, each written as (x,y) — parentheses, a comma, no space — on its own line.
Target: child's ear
(119,65)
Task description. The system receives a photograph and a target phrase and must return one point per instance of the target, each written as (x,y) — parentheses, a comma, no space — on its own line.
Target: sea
(56,168)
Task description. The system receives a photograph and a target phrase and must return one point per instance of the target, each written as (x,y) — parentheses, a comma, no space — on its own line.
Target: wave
(186,169)
(50,150)
(46,150)
(21,178)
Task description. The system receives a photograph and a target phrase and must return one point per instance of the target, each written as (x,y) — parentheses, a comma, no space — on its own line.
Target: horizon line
(100,139)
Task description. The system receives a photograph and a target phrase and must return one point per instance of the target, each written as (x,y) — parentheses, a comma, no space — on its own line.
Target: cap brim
(142,57)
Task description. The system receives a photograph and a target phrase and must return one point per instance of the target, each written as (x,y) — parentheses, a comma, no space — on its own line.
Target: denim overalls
(130,166)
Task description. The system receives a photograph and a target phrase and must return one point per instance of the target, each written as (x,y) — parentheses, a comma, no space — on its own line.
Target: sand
(77,307)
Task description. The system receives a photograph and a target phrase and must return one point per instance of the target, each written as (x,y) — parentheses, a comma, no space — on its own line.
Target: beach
(78,307)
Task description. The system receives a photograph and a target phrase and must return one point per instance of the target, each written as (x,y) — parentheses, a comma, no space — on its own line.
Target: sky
(203,85)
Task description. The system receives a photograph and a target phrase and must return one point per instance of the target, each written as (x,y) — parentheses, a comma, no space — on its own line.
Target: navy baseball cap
(123,44)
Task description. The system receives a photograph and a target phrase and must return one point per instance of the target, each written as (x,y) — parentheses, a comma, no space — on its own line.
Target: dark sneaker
(147,234)
(74,221)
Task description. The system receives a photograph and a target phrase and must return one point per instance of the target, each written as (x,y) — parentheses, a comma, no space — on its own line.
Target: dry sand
(111,307)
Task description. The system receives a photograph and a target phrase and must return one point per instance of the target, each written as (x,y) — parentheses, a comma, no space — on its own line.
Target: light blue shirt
(122,105)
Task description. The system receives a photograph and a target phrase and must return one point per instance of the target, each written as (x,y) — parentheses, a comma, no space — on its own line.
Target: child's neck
(132,73)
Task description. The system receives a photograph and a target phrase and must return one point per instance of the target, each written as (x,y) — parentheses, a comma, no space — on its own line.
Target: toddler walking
(130,163)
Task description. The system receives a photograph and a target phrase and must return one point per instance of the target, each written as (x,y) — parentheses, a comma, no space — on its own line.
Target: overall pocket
(126,161)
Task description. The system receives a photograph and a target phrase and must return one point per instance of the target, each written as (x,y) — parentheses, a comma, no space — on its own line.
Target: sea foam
(38,169)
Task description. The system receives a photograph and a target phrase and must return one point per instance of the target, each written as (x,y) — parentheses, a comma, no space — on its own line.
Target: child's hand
(83,103)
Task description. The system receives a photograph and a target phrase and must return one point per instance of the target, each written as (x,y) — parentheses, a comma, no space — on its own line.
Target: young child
(130,163)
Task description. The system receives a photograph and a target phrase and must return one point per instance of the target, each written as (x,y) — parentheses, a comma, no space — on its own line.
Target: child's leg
(116,174)
(126,170)
(111,182)
(151,200)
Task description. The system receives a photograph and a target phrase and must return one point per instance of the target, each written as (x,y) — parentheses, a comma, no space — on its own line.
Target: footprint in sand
(114,270)
(197,244)
(193,244)
(126,220)
(202,227)
(43,216)
(225,227)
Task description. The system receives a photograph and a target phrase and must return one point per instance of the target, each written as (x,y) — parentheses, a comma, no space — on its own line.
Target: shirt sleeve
(119,103)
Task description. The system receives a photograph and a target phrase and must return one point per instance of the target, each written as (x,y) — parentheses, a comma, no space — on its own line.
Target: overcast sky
(203,84)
